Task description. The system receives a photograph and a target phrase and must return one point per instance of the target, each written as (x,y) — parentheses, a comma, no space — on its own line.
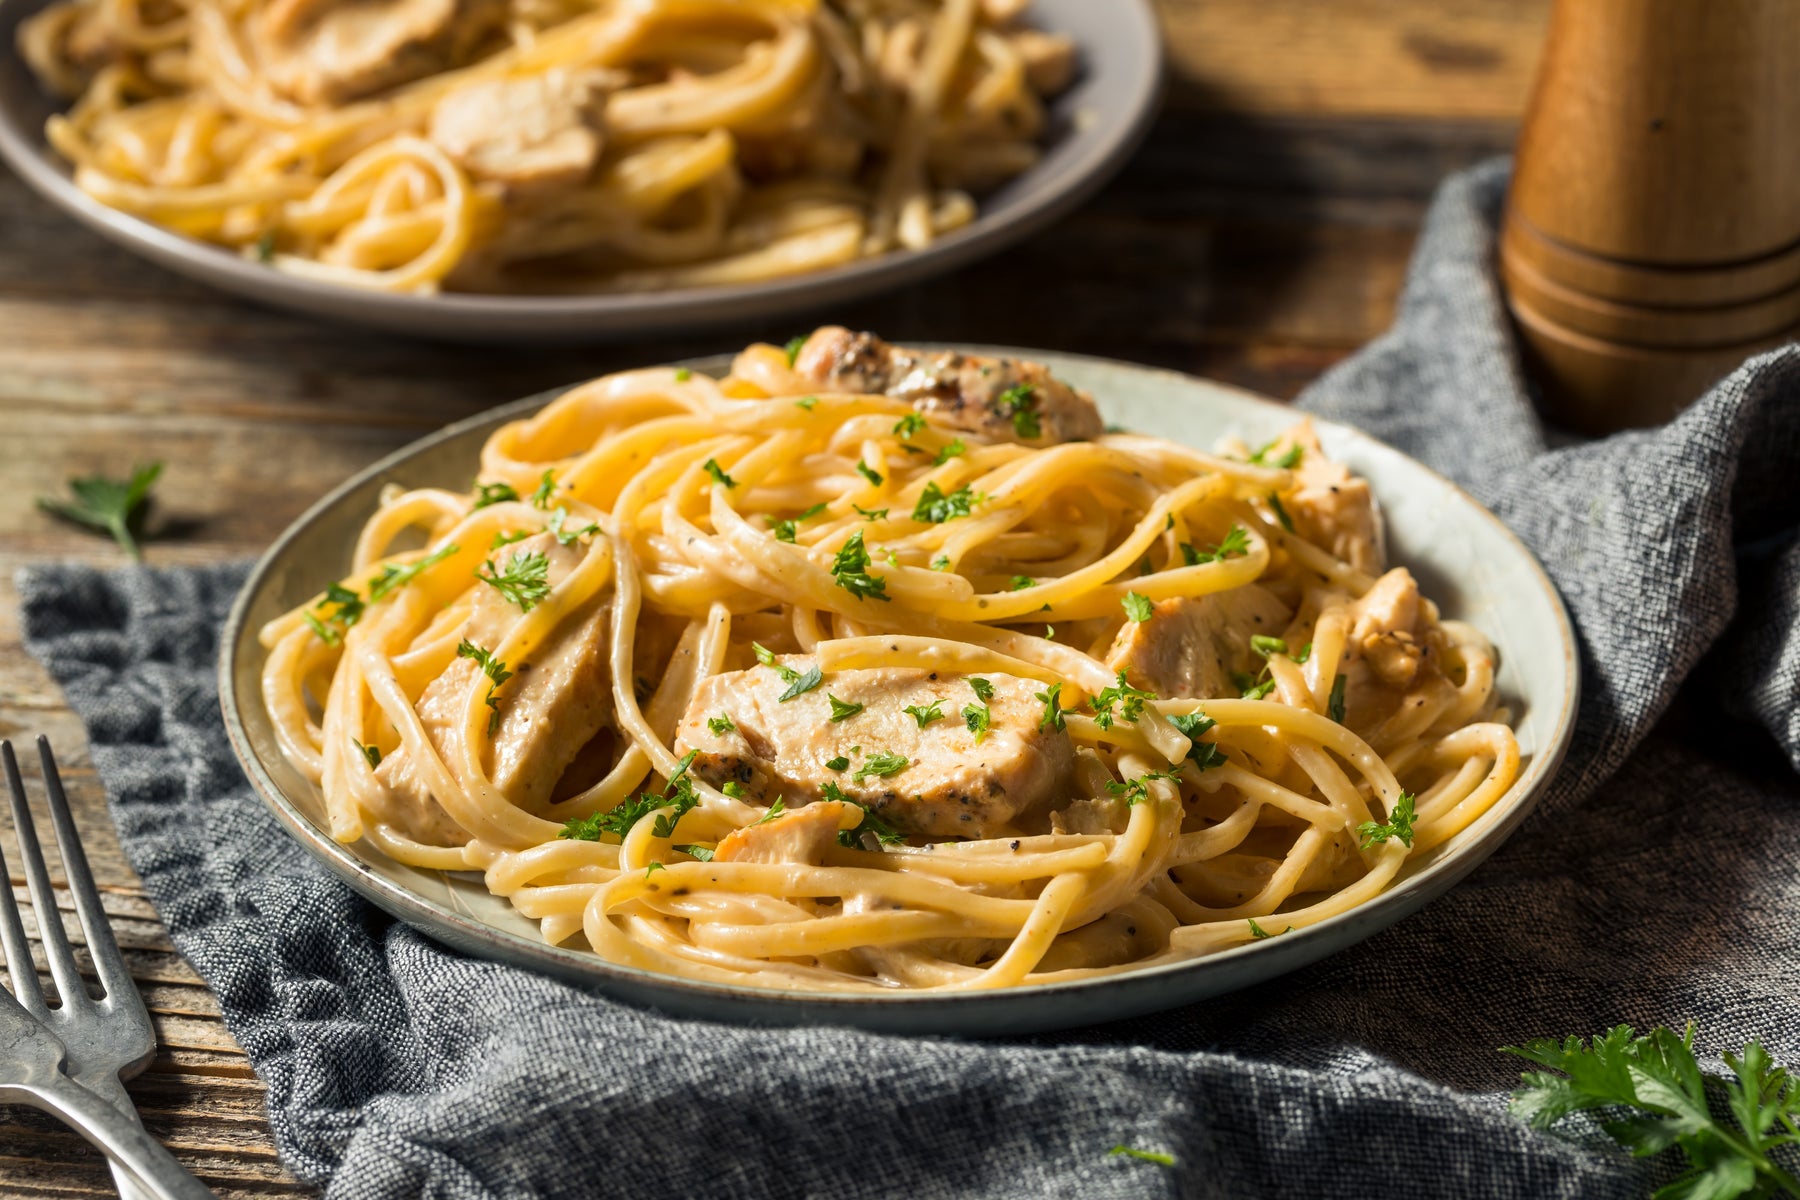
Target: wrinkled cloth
(1655,884)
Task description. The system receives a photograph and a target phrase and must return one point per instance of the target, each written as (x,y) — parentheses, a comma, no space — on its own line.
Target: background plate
(1464,557)
(1095,126)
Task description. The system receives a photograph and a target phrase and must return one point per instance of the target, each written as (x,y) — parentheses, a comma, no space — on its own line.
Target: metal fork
(100,1041)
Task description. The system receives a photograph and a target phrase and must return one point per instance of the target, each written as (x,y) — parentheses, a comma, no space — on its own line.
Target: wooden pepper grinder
(1652,232)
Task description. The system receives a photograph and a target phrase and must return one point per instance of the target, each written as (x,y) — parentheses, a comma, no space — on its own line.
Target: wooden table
(1260,236)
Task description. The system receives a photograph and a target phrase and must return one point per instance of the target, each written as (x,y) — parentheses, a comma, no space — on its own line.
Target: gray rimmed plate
(1464,557)
(1096,124)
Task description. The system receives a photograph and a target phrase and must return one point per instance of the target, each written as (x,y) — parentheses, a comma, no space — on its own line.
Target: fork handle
(120,1138)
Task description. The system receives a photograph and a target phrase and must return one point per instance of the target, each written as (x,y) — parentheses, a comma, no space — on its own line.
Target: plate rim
(979,1012)
(502,317)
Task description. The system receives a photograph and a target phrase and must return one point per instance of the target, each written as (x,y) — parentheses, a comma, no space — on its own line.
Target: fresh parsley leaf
(712,467)
(978,718)
(507,539)
(1267,646)
(851,569)
(1151,1156)
(925,714)
(869,473)
(840,763)
(494,493)
(347,610)
(950,451)
(524,581)
(697,853)
(110,505)
(265,247)
(1288,459)
(941,563)
(1137,607)
(1136,790)
(871,829)
(1281,514)
(1204,755)
(678,795)
(496,672)
(981,687)
(881,765)
(842,711)
(806,402)
(653,868)
(910,424)
(721,725)
(1257,931)
(1256,691)
(398,575)
(783,529)
(683,374)
(732,788)
(871,514)
(775,810)
(584,829)
(567,537)
(935,507)
(1398,825)
(832,791)
(799,685)
(546,491)
(1305,653)
(793,348)
(1020,403)
(1235,545)
(371,753)
(1049,631)
(1021,582)
(1128,700)
(1053,709)
(1334,708)
(1657,1097)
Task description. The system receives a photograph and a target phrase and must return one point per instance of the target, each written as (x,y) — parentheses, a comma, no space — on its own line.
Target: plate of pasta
(898,686)
(507,169)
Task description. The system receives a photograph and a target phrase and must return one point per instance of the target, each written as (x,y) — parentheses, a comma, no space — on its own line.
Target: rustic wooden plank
(1364,58)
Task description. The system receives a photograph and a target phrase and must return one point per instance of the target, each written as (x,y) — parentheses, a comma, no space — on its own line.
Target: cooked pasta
(866,668)
(547,145)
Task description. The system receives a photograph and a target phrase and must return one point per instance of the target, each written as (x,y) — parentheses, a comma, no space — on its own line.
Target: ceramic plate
(1464,558)
(1095,126)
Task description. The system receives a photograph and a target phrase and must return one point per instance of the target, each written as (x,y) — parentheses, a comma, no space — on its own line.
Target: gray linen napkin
(1656,884)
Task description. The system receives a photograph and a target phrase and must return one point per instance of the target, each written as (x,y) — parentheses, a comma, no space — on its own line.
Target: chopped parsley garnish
(110,505)
(775,810)
(721,725)
(1202,754)
(524,581)
(372,753)
(1334,707)
(733,788)
(840,763)
(869,473)
(1049,630)
(653,868)
(851,569)
(1136,790)
(1053,709)
(1256,691)
(712,467)
(793,349)
(806,402)
(679,795)
(799,685)
(1020,403)
(978,718)
(950,451)
(935,507)
(347,610)
(546,491)
(494,669)
(1267,646)
(568,537)
(1151,1156)
(1235,545)
(981,687)
(785,529)
(507,539)
(682,374)
(941,563)
(265,247)
(1021,582)
(1288,459)
(871,514)
(1281,513)
(1128,700)
(698,853)
(398,575)
(881,766)
(1398,825)
(1138,607)
(1257,931)
(494,493)
(910,424)
(841,710)
(925,714)
(832,791)
(871,827)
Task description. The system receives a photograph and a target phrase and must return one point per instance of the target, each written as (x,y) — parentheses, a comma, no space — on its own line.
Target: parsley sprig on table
(112,506)
(1653,1096)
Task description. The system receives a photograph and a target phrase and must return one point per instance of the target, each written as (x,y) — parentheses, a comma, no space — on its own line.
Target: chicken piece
(1191,646)
(800,836)
(968,392)
(557,701)
(536,133)
(950,785)
(335,51)
(1385,629)
(1333,508)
